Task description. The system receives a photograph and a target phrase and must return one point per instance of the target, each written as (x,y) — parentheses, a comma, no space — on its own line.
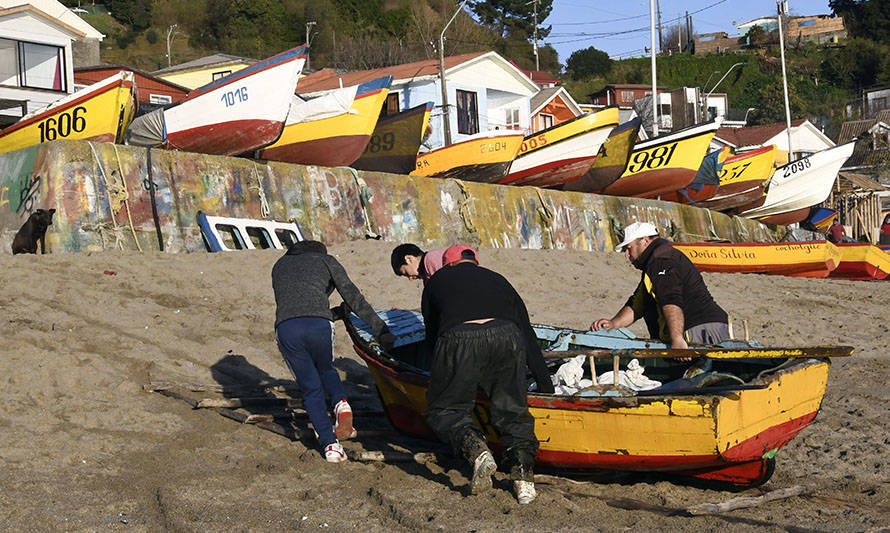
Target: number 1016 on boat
(231,98)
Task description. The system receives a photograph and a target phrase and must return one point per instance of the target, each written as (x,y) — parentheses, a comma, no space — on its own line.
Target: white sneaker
(525,491)
(483,468)
(334,453)
(343,421)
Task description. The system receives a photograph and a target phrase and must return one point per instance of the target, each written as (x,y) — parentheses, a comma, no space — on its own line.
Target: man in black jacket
(482,334)
(671,296)
(303,279)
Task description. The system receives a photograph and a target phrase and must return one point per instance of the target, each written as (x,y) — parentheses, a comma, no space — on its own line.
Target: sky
(622,28)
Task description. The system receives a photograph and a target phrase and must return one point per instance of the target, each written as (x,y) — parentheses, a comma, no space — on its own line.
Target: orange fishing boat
(810,259)
(725,426)
(704,186)
(485,157)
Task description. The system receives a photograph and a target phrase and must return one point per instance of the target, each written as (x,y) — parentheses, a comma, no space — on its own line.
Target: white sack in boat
(632,378)
(567,379)
(336,102)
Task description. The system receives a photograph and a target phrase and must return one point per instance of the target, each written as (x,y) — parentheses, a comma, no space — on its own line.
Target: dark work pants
(489,356)
(307,344)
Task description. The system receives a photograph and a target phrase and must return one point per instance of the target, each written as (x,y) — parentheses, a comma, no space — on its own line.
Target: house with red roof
(151,91)
(485,92)
(806,139)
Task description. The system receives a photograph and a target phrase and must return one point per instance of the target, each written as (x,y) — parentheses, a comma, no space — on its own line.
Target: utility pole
(679,33)
(660,37)
(309,25)
(537,63)
(652,51)
(171,34)
(781,8)
(446,116)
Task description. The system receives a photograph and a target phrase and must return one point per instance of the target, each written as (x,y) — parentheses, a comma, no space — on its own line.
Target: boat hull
(610,162)
(664,164)
(862,261)
(239,113)
(100,112)
(395,141)
(801,184)
(815,259)
(715,437)
(333,141)
(484,159)
(721,202)
(742,172)
(561,153)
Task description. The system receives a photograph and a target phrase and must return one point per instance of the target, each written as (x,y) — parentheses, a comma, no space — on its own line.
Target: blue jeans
(307,345)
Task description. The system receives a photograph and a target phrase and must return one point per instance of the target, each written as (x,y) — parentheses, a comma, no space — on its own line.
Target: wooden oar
(711,353)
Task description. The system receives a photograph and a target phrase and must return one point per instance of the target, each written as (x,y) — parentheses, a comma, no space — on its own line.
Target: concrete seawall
(101,195)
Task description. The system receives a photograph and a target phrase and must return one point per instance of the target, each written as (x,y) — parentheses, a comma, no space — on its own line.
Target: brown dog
(32,231)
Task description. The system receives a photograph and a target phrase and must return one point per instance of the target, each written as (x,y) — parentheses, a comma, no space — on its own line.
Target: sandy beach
(86,448)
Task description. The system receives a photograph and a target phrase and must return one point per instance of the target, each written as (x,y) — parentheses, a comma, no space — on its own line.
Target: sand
(85,448)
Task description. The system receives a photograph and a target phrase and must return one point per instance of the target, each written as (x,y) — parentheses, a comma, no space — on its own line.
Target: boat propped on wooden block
(811,259)
(99,112)
(395,142)
(724,424)
(330,130)
(485,157)
(665,163)
(563,152)
(232,115)
(862,261)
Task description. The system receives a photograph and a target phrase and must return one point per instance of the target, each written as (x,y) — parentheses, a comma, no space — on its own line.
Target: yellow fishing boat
(665,163)
(742,178)
(812,259)
(862,261)
(725,424)
(99,112)
(484,157)
(331,130)
(611,161)
(395,142)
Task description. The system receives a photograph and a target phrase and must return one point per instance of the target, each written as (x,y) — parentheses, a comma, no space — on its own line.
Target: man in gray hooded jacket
(303,279)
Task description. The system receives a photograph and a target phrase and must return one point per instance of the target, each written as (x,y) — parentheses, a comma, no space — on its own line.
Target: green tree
(513,17)
(869,19)
(861,63)
(771,105)
(135,13)
(588,63)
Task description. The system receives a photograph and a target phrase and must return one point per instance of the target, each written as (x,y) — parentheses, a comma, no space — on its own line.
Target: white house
(485,92)
(36,56)
(806,139)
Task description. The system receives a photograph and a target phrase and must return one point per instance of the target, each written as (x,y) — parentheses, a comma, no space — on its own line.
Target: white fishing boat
(802,183)
(232,115)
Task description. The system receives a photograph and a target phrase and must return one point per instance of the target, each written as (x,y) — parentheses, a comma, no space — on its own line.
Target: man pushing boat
(671,296)
(481,331)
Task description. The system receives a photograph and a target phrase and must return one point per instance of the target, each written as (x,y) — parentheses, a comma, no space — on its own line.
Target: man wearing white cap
(671,297)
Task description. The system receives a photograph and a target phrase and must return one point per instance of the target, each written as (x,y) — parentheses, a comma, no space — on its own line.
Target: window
(712,112)
(467,113)
(221,74)
(36,66)
(627,96)
(806,23)
(159,99)
(878,104)
(391,105)
(512,121)
(545,121)
(664,109)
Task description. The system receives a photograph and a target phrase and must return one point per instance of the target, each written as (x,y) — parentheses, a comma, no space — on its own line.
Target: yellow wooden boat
(665,163)
(331,130)
(862,261)
(611,161)
(812,259)
(99,112)
(742,179)
(724,425)
(484,157)
(395,142)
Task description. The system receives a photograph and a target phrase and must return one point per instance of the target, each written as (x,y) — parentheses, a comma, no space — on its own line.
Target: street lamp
(171,34)
(446,116)
(705,106)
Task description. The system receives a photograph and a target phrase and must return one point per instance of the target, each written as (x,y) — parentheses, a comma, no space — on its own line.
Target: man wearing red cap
(671,296)
(483,338)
